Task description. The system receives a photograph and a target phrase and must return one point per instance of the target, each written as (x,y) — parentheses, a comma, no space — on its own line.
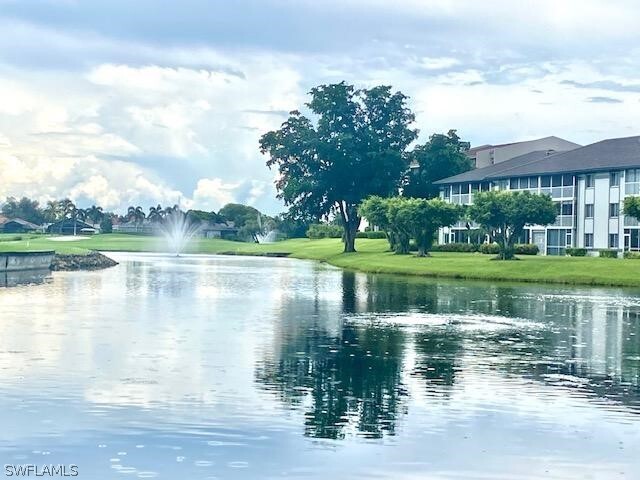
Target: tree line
(354,156)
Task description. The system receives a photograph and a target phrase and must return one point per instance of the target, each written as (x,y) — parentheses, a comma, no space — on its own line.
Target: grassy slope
(372,256)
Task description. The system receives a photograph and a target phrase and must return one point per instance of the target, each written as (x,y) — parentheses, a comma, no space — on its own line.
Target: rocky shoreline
(91,261)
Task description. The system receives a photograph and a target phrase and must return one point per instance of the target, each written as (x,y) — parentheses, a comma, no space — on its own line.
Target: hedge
(576,252)
(371,234)
(455,247)
(609,253)
(324,230)
(520,249)
(632,255)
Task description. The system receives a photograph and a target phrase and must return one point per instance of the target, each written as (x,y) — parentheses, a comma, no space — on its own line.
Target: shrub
(376,235)
(489,248)
(526,249)
(455,247)
(361,234)
(632,255)
(576,252)
(609,253)
(106,225)
(324,230)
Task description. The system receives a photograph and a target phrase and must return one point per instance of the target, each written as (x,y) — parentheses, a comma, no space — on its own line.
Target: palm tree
(52,211)
(136,215)
(66,207)
(78,214)
(156,214)
(94,213)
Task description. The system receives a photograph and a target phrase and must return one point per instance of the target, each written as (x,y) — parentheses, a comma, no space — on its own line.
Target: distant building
(217,230)
(588,185)
(70,226)
(16,225)
(486,155)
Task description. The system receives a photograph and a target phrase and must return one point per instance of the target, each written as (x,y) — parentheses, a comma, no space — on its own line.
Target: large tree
(25,208)
(355,147)
(444,155)
(505,214)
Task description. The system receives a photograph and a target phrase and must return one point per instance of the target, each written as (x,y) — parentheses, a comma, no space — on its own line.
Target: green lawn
(372,256)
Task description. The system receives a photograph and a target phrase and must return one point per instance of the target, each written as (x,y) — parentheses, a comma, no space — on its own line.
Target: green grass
(372,256)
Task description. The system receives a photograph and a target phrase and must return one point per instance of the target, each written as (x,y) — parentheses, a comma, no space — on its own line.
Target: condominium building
(486,155)
(588,185)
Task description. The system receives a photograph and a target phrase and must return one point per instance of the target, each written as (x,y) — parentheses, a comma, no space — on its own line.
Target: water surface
(227,367)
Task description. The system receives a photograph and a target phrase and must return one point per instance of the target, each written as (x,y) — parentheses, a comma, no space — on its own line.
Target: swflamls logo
(32,470)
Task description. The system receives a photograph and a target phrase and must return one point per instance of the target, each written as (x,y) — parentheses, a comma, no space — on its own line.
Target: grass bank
(372,256)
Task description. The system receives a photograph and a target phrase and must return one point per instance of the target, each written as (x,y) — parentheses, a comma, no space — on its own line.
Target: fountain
(265,237)
(178,229)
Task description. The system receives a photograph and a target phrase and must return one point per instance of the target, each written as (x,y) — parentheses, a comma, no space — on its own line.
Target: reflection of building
(588,185)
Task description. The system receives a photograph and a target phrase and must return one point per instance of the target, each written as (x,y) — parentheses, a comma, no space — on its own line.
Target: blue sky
(118,102)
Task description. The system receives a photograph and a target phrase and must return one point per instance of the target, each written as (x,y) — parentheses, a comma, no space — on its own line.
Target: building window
(614,209)
(632,181)
(588,240)
(632,239)
(588,180)
(557,241)
(588,210)
(613,240)
(545,181)
(614,179)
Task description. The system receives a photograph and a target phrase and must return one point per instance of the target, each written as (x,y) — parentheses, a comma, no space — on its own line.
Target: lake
(213,367)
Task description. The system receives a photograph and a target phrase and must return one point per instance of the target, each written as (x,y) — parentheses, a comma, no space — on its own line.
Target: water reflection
(585,342)
(205,367)
(24,277)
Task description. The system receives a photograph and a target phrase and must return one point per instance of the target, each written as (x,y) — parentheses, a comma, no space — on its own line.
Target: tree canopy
(356,147)
(504,215)
(444,155)
(632,207)
(24,208)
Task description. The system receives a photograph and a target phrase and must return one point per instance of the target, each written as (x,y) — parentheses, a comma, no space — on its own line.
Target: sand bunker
(69,238)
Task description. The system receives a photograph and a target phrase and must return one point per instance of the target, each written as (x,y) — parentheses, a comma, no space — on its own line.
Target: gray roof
(615,153)
(493,171)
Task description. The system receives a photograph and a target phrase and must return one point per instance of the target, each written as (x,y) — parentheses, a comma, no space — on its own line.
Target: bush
(576,252)
(526,249)
(361,235)
(608,253)
(455,247)
(632,255)
(489,248)
(376,235)
(324,230)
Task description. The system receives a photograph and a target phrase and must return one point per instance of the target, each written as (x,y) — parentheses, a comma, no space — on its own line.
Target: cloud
(603,100)
(609,85)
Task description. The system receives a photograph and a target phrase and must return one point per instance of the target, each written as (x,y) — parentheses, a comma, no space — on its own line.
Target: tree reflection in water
(343,362)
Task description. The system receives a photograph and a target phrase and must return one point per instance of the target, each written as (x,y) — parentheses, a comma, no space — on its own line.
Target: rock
(91,261)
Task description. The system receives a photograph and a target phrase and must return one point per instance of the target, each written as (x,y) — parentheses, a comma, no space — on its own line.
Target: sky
(122,103)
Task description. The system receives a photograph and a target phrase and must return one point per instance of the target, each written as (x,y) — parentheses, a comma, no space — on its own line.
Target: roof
(4,220)
(500,145)
(615,153)
(490,171)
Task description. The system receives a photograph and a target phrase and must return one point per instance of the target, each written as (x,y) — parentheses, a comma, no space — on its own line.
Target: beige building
(486,155)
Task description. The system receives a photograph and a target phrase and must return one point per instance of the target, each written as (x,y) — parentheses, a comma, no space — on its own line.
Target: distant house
(145,227)
(16,225)
(217,230)
(70,226)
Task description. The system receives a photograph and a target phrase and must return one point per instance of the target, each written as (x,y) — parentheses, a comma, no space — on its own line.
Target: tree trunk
(350,224)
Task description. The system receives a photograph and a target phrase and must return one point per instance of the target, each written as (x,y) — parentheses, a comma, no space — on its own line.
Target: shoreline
(373,256)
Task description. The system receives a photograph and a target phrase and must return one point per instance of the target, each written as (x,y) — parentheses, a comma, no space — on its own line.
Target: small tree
(632,207)
(422,218)
(505,214)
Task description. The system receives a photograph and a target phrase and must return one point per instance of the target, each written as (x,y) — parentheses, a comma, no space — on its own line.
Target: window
(545,181)
(566,209)
(456,189)
(613,240)
(447,192)
(632,239)
(588,240)
(588,181)
(556,181)
(632,181)
(588,210)
(614,209)
(464,188)
(533,182)
(557,241)
(614,179)
(513,183)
